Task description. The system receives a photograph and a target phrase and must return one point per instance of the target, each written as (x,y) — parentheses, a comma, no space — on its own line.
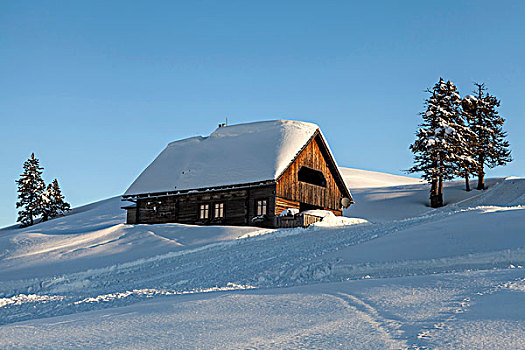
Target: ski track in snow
(282,258)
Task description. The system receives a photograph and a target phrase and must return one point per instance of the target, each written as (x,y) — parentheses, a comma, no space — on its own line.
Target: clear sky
(97,89)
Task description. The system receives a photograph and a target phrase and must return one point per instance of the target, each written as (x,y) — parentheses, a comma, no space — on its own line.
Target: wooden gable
(315,157)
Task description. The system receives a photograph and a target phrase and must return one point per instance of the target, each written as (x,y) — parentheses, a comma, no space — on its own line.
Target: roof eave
(200,190)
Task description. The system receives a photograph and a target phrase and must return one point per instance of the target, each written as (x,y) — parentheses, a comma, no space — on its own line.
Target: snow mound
(289,212)
(331,220)
(319,213)
(335,221)
(237,154)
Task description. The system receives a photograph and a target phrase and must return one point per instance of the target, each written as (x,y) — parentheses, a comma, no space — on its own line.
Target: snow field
(465,310)
(409,277)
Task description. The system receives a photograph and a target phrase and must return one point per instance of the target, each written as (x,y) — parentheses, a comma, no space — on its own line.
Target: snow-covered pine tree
(467,162)
(53,203)
(30,188)
(491,146)
(437,148)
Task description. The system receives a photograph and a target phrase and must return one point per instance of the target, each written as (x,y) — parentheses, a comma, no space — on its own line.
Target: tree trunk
(481,175)
(467,181)
(481,181)
(440,191)
(436,199)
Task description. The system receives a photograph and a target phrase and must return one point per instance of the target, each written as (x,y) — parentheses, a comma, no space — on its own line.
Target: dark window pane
(311,176)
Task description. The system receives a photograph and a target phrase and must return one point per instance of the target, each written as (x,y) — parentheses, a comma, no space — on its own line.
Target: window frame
(311,176)
(204,208)
(259,206)
(219,206)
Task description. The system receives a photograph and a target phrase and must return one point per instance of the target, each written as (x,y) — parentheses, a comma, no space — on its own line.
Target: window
(219,210)
(311,176)
(261,207)
(204,212)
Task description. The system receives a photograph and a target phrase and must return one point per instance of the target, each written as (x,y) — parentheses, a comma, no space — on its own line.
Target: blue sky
(97,89)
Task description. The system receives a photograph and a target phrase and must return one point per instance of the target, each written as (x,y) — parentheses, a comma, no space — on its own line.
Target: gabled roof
(231,155)
(332,164)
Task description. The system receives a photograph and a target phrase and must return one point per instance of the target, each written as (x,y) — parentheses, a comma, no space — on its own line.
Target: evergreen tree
(30,188)
(491,147)
(53,203)
(437,149)
(467,163)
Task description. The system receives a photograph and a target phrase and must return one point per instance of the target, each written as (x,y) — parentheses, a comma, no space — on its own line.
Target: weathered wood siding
(291,189)
(239,207)
(259,193)
(283,204)
(131,215)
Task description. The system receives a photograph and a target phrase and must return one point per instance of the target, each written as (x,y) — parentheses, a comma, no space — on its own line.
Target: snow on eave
(199,190)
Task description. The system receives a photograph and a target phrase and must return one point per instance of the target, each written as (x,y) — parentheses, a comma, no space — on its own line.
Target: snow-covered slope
(383,204)
(96,236)
(411,277)
(357,178)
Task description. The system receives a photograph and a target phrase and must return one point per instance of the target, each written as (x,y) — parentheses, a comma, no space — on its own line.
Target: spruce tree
(491,147)
(53,203)
(467,162)
(30,188)
(437,149)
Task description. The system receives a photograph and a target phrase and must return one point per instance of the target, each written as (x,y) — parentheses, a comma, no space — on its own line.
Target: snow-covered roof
(231,155)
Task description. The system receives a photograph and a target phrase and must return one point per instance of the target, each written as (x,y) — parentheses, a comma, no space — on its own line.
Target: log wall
(239,207)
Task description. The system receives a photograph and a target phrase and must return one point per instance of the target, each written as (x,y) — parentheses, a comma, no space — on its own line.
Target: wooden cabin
(245,174)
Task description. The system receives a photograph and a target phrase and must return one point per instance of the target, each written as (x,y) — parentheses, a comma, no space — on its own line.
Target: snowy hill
(409,277)
(357,178)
